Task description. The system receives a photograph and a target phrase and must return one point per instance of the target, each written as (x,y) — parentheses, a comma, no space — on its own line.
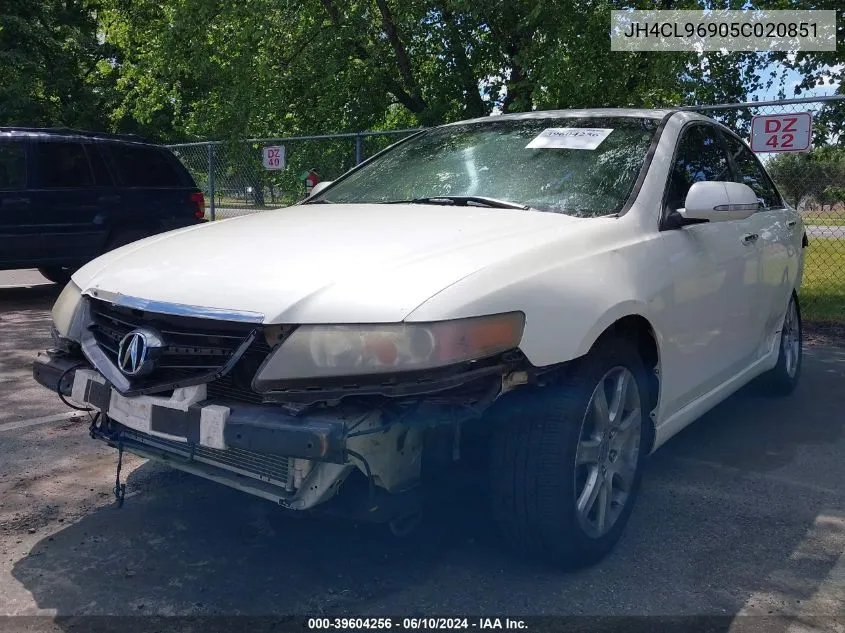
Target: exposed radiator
(268,468)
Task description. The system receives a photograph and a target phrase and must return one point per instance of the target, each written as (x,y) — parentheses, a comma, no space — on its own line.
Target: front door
(709,311)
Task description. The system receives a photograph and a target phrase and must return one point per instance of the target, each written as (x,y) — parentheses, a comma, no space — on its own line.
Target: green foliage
(819,173)
(189,69)
(211,68)
(49,56)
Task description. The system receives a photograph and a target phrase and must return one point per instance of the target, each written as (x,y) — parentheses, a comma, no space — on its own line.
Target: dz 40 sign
(274,158)
(782,132)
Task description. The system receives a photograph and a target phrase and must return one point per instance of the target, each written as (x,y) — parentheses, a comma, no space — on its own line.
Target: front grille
(272,469)
(196,348)
(227,388)
(235,386)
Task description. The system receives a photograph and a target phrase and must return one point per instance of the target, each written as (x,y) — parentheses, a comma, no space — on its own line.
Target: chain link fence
(813,182)
(235,181)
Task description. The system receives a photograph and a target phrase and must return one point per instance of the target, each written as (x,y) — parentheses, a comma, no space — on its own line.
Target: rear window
(145,167)
(62,165)
(12,166)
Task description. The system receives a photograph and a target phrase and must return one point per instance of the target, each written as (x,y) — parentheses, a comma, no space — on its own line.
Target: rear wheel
(57,274)
(782,379)
(567,459)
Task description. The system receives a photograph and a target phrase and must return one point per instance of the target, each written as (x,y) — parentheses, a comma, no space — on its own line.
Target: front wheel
(567,459)
(782,379)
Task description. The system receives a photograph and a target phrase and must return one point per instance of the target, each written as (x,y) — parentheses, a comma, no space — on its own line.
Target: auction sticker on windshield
(569,138)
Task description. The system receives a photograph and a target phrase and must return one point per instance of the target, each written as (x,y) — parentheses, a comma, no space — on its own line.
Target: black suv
(68,196)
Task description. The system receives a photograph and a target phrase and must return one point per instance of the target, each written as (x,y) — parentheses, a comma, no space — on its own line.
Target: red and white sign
(274,157)
(782,132)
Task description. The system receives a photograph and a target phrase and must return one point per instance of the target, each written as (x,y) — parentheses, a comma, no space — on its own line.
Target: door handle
(750,238)
(791,224)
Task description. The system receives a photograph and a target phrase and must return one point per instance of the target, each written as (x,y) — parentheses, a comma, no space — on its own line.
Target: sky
(792,79)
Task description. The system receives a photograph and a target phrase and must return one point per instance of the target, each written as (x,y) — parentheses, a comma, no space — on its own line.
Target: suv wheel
(567,459)
(57,274)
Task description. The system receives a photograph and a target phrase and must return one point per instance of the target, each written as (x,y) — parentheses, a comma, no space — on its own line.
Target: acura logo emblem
(137,352)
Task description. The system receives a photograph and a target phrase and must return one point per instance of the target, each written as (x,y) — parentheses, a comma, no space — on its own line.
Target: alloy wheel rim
(608,452)
(791,337)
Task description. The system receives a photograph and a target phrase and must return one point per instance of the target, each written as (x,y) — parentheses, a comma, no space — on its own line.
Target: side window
(700,157)
(12,166)
(102,178)
(144,166)
(751,173)
(62,165)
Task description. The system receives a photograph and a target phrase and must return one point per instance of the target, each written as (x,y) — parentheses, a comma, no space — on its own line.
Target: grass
(823,286)
(824,221)
(834,217)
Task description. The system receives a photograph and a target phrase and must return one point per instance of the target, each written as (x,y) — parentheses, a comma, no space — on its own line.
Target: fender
(629,308)
(569,297)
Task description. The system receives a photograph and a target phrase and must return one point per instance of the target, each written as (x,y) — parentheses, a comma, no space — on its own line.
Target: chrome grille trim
(197,351)
(179,309)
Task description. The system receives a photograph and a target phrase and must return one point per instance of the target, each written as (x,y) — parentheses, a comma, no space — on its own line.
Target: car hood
(321,263)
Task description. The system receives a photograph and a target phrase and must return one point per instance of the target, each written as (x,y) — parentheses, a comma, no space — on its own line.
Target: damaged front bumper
(298,461)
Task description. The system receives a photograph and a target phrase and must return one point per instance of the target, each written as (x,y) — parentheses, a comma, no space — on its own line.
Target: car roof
(642,113)
(70,133)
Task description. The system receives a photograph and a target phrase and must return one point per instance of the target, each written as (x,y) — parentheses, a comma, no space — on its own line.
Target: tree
(257,67)
(817,174)
(49,57)
(192,69)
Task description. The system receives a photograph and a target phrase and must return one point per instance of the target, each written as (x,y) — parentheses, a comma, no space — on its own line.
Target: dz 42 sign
(274,157)
(782,132)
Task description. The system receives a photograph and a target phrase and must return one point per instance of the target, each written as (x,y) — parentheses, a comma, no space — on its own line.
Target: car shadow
(185,545)
(756,433)
(710,529)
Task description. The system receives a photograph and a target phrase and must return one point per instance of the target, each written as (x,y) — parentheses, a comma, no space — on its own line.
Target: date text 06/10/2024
(415,624)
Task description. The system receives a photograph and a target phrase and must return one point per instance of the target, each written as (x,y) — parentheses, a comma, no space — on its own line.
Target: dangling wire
(119,488)
(62,396)
(370,482)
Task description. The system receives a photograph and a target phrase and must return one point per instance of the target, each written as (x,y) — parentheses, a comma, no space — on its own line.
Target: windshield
(577,166)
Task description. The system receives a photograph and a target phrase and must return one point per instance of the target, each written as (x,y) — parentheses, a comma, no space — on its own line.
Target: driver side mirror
(718,201)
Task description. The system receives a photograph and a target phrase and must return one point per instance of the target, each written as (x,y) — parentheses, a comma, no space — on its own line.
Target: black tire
(782,379)
(57,274)
(123,238)
(533,472)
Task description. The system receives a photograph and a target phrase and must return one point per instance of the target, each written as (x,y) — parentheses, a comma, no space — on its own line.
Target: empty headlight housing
(324,351)
(66,312)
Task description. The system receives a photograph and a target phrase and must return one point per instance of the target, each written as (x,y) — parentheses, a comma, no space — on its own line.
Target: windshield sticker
(569,138)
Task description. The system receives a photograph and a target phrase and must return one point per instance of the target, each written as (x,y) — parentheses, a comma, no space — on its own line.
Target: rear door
(775,225)
(19,232)
(156,190)
(66,200)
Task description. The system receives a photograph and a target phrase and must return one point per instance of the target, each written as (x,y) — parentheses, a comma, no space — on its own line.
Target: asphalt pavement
(743,513)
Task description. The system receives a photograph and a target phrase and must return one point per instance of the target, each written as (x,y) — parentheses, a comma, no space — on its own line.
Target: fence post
(359,148)
(211,192)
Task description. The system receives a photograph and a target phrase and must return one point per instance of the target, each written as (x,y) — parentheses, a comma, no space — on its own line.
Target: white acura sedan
(549,296)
